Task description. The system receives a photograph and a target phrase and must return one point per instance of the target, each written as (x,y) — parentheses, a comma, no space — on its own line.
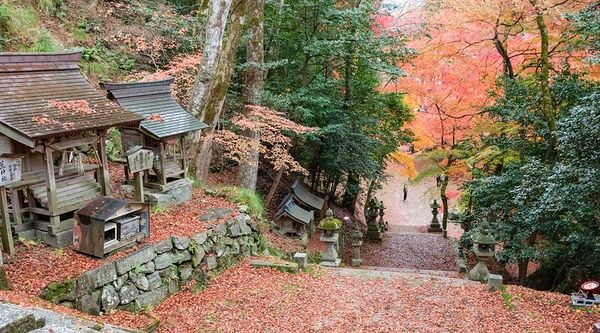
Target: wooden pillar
(184,165)
(7,238)
(138,192)
(16,201)
(51,186)
(103,172)
(163,171)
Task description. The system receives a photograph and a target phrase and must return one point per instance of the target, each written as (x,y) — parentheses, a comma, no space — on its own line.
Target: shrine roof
(308,198)
(153,101)
(45,94)
(295,212)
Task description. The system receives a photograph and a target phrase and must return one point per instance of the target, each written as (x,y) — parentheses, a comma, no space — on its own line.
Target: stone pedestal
(374,232)
(178,192)
(480,272)
(356,259)
(330,255)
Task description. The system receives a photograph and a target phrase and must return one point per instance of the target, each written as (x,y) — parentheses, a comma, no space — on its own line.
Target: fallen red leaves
(244,299)
(155,117)
(415,251)
(77,106)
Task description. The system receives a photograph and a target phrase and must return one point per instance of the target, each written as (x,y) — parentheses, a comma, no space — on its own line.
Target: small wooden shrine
(53,119)
(296,206)
(292,219)
(306,199)
(163,129)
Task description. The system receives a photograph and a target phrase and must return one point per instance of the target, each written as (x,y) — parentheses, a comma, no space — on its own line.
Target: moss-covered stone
(57,292)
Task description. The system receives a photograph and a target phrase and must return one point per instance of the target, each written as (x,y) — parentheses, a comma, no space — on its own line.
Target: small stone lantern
(482,247)
(434,226)
(356,244)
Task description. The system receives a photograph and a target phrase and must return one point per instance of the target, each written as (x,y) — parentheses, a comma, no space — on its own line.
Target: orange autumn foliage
(407,163)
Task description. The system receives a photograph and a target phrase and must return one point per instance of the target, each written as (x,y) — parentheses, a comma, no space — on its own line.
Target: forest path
(407,245)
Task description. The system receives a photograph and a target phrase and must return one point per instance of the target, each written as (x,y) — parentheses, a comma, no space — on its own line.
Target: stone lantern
(374,232)
(483,244)
(330,238)
(356,244)
(434,226)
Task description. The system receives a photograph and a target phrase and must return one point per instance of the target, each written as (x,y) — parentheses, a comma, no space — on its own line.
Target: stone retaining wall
(148,276)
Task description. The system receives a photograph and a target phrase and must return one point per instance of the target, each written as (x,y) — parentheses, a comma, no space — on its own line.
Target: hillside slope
(117,38)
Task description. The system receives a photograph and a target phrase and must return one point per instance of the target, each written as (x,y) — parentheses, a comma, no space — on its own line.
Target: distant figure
(405,190)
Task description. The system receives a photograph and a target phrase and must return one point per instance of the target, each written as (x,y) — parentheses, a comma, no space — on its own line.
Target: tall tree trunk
(253,85)
(214,13)
(544,76)
(351,193)
(523,265)
(274,186)
(214,98)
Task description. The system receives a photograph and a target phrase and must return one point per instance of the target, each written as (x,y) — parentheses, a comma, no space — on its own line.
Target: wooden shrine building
(52,117)
(163,129)
(296,206)
(304,198)
(292,219)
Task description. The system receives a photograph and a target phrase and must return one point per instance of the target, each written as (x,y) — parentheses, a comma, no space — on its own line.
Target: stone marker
(494,282)
(301,259)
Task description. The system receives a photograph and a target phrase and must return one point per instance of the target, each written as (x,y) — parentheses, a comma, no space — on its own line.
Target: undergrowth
(242,196)
(20,30)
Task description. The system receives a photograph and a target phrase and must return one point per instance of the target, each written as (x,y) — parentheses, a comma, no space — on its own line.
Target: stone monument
(482,247)
(434,226)
(374,232)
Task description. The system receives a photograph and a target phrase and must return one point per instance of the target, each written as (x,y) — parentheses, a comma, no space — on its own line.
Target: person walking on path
(405,190)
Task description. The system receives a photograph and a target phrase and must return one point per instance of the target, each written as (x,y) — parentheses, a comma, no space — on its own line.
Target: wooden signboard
(139,159)
(10,172)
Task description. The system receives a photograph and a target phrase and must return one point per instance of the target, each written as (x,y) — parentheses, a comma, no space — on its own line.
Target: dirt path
(407,244)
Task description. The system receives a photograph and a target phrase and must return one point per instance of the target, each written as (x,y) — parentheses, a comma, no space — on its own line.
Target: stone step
(447,274)
(284,266)
(59,329)
(391,273)
(18,319)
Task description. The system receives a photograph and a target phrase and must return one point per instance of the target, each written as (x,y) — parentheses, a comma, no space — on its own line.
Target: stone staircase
(18,319)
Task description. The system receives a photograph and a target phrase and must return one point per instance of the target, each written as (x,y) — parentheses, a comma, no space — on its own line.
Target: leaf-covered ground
(414,251)
(244,299)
